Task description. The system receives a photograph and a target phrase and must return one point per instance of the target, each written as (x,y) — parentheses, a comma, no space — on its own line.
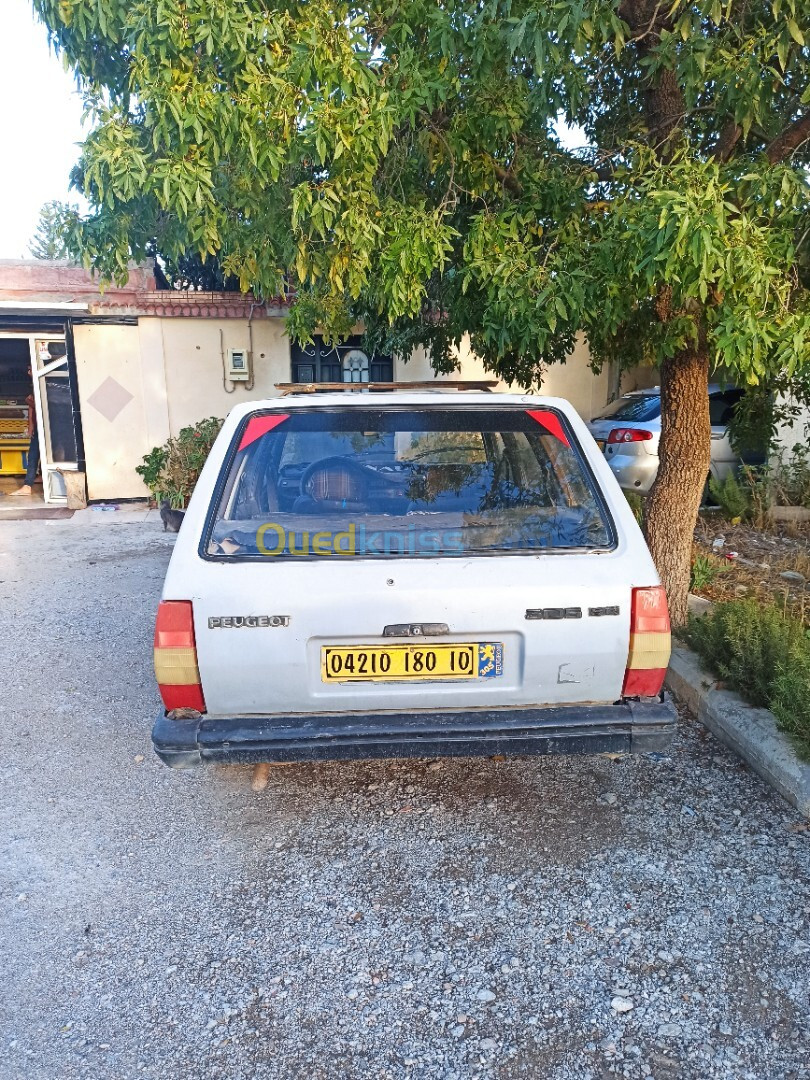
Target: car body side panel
(633,471)
(722,451)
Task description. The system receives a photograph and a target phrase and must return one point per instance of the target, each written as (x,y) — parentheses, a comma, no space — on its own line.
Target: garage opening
(38,440)
(17,414)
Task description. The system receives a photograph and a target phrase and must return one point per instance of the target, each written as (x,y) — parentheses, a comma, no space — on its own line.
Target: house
(113,374)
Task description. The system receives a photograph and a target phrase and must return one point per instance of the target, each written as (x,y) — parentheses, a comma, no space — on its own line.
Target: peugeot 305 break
(397,574)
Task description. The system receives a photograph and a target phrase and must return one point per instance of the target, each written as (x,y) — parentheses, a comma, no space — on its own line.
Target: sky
(40,125)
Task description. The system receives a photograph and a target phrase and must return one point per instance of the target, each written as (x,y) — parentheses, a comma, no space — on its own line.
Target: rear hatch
(633,411)
(399,558)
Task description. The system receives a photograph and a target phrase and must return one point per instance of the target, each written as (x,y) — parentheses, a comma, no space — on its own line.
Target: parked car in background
(408,574)
(629,430)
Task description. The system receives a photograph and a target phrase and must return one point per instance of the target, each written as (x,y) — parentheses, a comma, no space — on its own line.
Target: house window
(355,366)
(347,362)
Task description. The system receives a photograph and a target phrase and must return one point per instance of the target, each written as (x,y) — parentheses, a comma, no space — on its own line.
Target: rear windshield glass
(391,482)
(638,407)
(722,406)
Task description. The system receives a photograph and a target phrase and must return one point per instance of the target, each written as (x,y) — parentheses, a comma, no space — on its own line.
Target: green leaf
(795,32)
(782,47)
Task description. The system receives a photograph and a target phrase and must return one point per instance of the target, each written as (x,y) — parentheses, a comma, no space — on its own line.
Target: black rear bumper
(632,727)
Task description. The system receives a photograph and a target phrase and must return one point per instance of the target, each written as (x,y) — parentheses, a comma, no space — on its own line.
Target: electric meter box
(238,365)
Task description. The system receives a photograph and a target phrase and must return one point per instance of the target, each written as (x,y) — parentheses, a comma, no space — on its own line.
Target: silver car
(629,430)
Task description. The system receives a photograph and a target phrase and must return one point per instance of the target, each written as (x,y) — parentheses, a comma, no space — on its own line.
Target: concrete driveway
(578,918)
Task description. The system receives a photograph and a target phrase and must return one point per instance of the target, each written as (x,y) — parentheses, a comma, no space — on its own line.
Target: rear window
(722,406)
(641,407)
(392,482)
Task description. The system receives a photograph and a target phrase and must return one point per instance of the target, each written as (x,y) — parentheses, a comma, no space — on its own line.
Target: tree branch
(634,19)
(793,136)
(376,40)
(508,179)
(730,135)
(664,104)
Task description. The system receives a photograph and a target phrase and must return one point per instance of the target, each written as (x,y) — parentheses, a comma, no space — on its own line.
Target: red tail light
(650,643)
(622,435)
(176,670)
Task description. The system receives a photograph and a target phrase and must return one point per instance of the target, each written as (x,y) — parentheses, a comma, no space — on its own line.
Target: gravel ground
(575,919)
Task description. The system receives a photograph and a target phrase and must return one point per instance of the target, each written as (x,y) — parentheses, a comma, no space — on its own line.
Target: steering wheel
(335,481)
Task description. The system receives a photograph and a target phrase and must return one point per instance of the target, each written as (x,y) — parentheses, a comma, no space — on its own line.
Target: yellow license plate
(400,663)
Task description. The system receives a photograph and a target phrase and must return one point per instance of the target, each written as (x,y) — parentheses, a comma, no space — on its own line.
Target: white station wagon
(408,573)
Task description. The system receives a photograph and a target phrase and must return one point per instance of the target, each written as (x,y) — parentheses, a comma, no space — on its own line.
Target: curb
(790,513)
(749,731)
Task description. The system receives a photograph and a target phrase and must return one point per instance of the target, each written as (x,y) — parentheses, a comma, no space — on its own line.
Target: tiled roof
(29,281)
(193,305)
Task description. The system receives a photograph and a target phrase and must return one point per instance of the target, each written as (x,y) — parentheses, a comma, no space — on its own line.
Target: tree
(48,241)
(200,273)
(188,270)
(401,163)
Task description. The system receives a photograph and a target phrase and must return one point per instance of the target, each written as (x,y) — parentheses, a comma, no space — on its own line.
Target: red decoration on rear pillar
(260,425)
(551,422)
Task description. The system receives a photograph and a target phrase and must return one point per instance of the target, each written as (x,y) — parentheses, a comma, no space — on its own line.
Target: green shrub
(746,495)
(790,700)
(763,654)
(636,505)
(172,470)
(758,485)
(791,477)
(705,568)
(152,469)
(730,495)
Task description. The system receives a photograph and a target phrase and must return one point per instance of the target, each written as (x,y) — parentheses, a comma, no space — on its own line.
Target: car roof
(445,399)
(655,391)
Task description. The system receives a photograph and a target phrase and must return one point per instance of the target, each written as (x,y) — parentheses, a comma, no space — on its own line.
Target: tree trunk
(685,453)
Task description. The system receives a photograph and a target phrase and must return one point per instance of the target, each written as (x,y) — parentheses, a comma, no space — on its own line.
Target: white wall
(192,351)
(789,435)
(573,380)
(156,378)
